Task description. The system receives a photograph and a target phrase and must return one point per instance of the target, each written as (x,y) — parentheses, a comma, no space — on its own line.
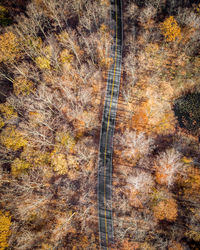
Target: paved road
(107,130)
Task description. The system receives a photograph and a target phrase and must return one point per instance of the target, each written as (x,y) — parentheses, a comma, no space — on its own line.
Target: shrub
(5,223)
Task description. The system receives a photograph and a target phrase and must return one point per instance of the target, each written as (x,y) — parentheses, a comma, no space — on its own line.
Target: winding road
(107,130)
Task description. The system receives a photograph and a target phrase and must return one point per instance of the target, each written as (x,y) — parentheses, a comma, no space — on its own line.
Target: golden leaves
(104,29)
(193,235)
(64,141)
(64,165)
(9,48)
(7,111)
(35,157)
(5,223)
(23,86)
(2,123)
(19,166)
(63,37)
(59,163)
(43,62)
(12,138)
(187,160)
(170,29)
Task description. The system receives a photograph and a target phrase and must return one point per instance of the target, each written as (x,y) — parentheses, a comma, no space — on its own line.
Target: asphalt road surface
(107,130)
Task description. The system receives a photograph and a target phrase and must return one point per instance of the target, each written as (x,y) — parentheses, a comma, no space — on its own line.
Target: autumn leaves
(49,124)
(170,29)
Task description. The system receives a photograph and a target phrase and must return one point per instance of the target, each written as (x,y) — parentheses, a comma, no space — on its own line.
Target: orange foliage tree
(165,210)
(191,184)
(127,245)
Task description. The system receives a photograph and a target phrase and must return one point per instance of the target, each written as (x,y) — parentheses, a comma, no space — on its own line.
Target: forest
(54,60)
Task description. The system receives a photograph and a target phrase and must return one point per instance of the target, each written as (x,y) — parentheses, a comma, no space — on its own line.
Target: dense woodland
(54,58)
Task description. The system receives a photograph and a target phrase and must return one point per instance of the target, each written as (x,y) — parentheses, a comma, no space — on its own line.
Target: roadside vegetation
(156,146)
(54,56)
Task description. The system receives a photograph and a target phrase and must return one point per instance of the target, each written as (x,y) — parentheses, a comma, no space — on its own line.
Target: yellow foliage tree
(2,123)
(165,210)
(194,235)
(12,138)
(35,158)
(5,223)
(65,56)
(64,141)
(23,86)
(175,246)
(69,41)
(59,163)
(43,62)
(33,43)
(187,160)
(19,166)
(127,245)
(191,185)
(170,29)
(9,48)
(7,111)
(63,165)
